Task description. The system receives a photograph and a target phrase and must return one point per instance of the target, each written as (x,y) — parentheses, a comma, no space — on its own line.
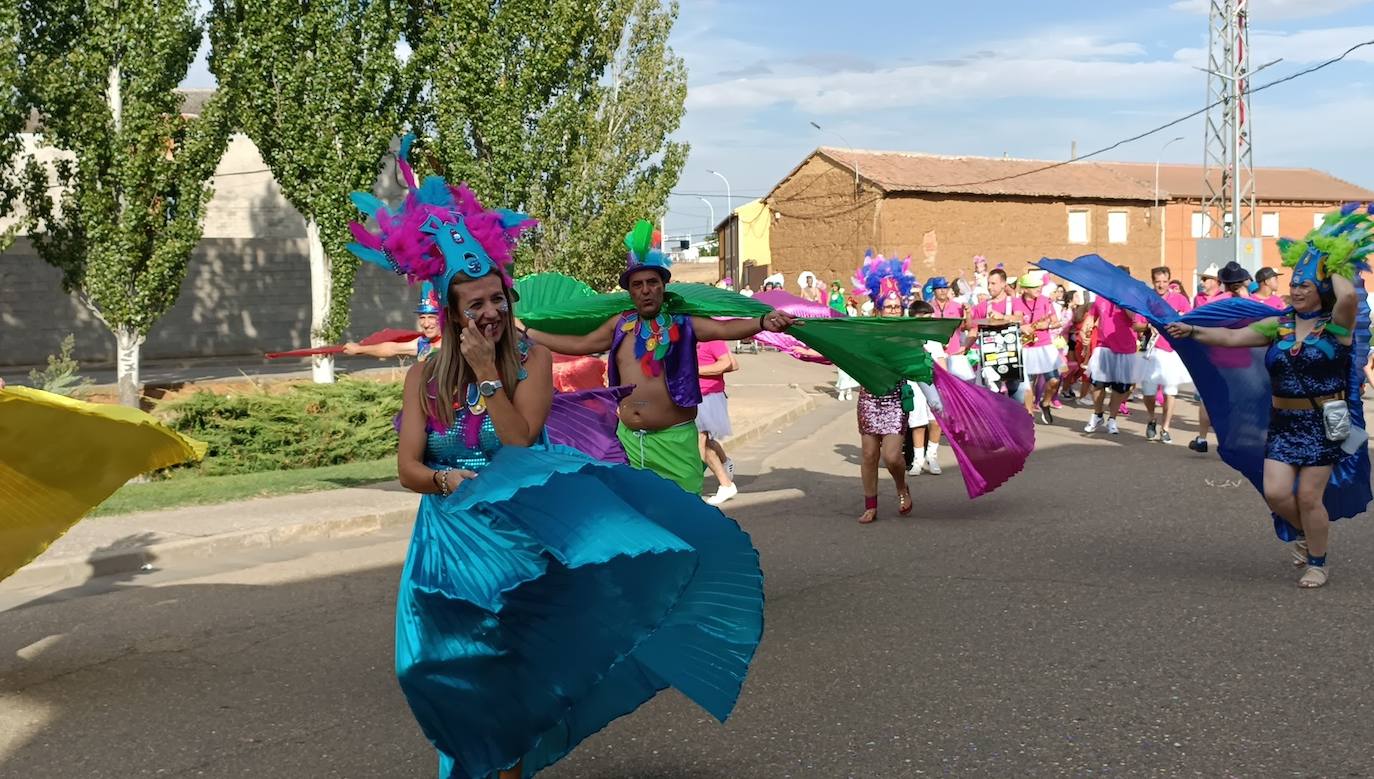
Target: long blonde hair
(446,372)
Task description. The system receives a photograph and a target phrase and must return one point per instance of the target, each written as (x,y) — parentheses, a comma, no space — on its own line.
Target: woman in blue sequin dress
(1309,364)
(545,593)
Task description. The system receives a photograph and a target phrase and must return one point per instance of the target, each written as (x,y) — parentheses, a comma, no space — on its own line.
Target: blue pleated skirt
(554,593)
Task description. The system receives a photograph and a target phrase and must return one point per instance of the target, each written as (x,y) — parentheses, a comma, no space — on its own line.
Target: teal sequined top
(449,450)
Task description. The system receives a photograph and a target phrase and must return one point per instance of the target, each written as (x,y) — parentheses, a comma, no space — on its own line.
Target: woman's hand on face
(477,349)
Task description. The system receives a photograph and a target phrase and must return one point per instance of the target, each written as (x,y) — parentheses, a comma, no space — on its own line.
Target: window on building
(1118,223)
(1202,224)
(1269,224)
(1318,218)
(1078,226)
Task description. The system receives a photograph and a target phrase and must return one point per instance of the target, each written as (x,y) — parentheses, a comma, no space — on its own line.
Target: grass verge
(189,489)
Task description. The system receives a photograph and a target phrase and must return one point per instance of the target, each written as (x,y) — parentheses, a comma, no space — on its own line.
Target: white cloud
(1264,10)
(1303,46)
(918,85)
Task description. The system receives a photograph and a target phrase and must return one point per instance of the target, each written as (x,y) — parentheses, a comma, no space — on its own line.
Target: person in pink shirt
(1211,288)
(1114,363)
(1164,369)
(946,307)
(1040,358)
(713,416)
(997,308)
(1268,293)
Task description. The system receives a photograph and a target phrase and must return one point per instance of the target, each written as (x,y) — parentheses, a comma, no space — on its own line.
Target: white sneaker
(1094,422)
(933,462)
(723,493)
(917,465)
(1112,428)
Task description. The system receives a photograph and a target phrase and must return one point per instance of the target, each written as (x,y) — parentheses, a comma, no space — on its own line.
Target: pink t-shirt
(1178,303)
(709,352)
(1006,307)
(1203,298)
(1274,301)
(1114,326)
(1039,308)
(949,310)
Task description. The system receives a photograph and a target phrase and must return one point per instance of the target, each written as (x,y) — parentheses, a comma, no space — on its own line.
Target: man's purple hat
(643,254)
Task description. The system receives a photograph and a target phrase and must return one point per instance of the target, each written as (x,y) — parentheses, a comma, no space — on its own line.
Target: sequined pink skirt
(881,414)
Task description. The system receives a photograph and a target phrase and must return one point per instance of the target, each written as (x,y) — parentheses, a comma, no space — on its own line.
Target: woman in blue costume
(1307,451)
(545,593)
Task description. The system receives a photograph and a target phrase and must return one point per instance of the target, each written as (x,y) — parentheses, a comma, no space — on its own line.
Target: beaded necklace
(654,338)
(1288,334)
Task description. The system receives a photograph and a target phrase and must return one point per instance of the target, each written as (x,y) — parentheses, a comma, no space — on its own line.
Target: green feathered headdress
(643,242)
(1339,246)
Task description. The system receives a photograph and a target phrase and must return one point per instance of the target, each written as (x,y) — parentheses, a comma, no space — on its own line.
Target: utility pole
(1228,167)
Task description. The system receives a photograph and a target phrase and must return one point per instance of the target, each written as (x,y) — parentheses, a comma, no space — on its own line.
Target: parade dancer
(544,593)
(655,350)
(1040,358)
(1309,362)
(1164,370)
(426,321)
(882,427)
(921,446)
(1290,420)
(1114,364)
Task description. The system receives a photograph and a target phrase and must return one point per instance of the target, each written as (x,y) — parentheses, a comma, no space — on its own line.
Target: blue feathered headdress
(879,277)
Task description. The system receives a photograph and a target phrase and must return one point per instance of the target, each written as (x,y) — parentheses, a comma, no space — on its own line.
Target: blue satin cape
(1233,382)
(554,593)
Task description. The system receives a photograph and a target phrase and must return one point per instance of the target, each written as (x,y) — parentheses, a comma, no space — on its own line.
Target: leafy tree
(122,212)
(13,113)
(560,108)
(320,90)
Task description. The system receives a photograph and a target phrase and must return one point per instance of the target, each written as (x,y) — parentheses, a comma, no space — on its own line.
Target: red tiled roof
(910,172)
(1271,184)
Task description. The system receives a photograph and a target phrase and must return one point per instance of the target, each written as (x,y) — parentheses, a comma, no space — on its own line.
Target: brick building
(945,210)
(1288,202)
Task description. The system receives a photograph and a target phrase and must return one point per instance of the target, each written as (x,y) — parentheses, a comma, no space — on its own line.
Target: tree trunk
(128,343)
(321,285)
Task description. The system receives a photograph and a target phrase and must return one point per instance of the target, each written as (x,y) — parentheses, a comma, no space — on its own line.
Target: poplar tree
(563,109)
(13,114)
(119,209)
(320,90)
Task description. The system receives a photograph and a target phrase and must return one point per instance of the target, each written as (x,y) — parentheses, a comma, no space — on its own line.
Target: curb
(749,434)
(72,571)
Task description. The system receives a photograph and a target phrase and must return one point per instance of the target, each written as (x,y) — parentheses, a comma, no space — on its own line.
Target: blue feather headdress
(1339,246)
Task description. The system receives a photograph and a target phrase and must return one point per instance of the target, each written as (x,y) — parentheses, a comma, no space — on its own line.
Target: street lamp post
(1156,206)
(713,216)
(729,204)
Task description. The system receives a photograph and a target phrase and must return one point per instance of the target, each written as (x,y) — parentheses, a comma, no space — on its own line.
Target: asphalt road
(1119,609)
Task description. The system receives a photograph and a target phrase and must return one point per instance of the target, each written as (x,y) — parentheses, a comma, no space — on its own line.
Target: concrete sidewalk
(761,403)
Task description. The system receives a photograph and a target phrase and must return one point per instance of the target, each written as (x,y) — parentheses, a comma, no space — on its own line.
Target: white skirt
(1041,359)
(843,381)
(1166,370)
(924,398)
(713,415)
(1109,367)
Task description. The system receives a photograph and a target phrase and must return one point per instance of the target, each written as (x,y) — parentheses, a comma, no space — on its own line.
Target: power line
(1148,133)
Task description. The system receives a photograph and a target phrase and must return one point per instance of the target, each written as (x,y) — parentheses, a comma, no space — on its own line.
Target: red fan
(388,335)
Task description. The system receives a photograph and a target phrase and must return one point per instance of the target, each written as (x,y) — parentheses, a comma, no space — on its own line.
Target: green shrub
(308,426)
(62,376)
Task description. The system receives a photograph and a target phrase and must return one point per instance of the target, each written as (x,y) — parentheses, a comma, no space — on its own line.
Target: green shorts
(671,453)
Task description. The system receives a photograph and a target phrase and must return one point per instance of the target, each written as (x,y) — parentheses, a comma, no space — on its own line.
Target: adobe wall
(823,227)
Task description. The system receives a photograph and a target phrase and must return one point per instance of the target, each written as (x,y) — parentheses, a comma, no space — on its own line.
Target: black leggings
(1114,386)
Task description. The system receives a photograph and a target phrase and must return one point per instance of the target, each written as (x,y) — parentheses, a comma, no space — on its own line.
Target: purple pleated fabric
(991,434)
(797,307)
(586,421)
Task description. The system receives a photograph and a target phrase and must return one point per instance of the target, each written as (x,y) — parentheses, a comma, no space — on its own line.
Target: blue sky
(993,77)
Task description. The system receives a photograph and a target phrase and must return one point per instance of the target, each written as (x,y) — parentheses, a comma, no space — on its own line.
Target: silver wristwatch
(488,388)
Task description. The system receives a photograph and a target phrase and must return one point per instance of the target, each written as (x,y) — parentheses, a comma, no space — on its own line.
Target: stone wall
(240,297)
